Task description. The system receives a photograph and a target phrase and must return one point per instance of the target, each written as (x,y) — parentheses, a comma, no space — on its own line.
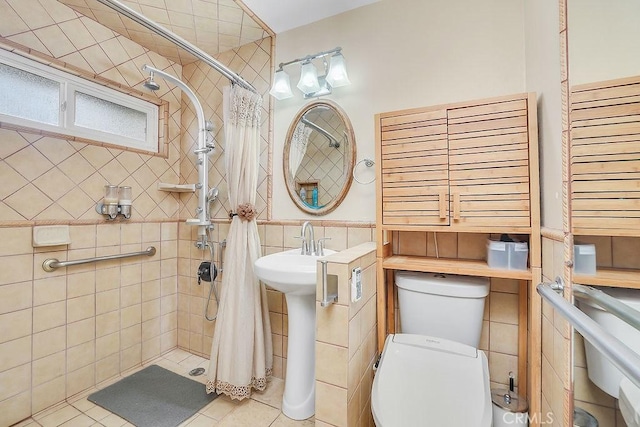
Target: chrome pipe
(329,287)
(178,41)
(609,303)
(201,151)
(625,359)
(51,264)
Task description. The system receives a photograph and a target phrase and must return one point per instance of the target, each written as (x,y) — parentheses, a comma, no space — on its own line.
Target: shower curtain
(299,142)
(241,352)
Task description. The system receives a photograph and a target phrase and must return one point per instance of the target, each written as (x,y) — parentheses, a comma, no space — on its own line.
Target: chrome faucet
(308,244)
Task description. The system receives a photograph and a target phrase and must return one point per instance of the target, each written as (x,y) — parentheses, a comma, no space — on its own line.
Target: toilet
(433,374)
(602,372)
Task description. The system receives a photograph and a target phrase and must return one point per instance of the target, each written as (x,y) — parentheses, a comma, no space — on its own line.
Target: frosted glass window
(19,87)
(48,99)
(105,116)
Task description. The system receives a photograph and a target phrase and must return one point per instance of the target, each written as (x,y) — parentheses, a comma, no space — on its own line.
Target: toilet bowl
(432,374)
(600,370)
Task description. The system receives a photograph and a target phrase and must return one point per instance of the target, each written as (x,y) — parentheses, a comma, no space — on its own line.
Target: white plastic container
(584,259)
(507,255)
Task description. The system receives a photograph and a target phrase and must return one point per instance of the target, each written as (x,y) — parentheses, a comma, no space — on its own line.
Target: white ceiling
(283,15)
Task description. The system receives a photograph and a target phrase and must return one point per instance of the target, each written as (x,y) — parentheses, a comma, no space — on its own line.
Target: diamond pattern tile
(213,25)
(46,178)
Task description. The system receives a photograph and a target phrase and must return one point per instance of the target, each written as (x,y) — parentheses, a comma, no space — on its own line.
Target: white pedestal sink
(295,276)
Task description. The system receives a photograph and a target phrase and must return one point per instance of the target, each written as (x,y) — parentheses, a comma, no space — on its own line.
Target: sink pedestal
(299,399)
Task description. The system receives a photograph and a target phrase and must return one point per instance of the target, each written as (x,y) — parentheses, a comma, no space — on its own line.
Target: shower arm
(333,142)
(178,41)
(202,151)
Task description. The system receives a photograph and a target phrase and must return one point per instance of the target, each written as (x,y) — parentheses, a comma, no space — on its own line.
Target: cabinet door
(605,148)
(414,169)
(489,165)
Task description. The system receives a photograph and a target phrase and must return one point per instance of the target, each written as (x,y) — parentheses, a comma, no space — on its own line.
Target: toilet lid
(630,402)
(428,381)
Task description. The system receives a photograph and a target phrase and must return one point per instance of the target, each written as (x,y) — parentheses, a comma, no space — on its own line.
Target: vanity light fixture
(312,85)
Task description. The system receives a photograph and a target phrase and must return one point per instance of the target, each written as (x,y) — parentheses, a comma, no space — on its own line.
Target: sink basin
(295,276)
(289,272)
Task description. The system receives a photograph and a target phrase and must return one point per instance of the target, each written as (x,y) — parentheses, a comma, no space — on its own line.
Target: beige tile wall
(556,342)
(346,343)
(275,237)
(73,328)
(500,324)
(55,179)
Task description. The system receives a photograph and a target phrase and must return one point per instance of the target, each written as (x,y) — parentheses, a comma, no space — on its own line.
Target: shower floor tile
(262,410)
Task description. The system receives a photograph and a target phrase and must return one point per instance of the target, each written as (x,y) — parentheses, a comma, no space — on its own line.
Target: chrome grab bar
(329,287)
(51,264)
(609,303)
(625,359)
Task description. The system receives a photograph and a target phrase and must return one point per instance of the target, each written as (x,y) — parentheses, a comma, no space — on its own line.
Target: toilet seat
(429,381)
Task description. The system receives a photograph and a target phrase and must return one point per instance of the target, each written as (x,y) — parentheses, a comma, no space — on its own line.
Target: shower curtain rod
(178,41)
(325,133)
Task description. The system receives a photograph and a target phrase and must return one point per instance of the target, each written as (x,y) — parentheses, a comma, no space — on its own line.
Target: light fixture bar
(310,57)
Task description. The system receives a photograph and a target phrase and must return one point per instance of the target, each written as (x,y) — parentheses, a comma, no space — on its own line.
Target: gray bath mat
(153,397)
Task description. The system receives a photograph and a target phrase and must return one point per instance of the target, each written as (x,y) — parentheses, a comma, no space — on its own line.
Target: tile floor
(262,410)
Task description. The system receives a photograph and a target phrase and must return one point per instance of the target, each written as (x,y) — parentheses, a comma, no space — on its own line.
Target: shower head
(150,83)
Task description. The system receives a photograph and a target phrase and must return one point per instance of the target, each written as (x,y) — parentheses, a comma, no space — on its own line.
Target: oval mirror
(319,156)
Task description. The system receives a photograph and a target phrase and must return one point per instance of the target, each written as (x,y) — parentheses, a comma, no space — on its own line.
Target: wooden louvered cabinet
(461,167)
(605,171)
(469,167)
(605,158)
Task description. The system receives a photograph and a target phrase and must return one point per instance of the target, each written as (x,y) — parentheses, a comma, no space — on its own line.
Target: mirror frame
(351,140)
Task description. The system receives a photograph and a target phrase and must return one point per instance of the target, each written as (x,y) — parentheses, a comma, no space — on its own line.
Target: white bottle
(303,194)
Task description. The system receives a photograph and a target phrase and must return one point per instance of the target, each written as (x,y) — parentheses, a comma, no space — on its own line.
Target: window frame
(70,84)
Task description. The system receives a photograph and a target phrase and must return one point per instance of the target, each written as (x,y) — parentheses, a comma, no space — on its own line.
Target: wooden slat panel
(490,133)
(483,158)
(421,176)
(488,125)
(415,220)
(606,195)
(424,192)
(606,214)
(490,165)
(506,204)
(606,130)
(487,117)
(611,148)
(416,145)
(605,140)
(401,208)
(599,121)
(611,223)
(413,118)
(609,111)
(520,171)
(421,161)
(605,93)
(415,132)
(489,151)
(605,186)
(488,141)
(597,167)
(482,109)
(605,103)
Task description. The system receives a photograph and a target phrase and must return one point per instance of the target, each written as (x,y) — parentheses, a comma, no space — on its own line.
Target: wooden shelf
(611,277)
(452,266)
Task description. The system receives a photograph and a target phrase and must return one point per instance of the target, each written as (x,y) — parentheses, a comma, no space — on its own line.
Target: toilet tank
(602,372)
(442,305)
